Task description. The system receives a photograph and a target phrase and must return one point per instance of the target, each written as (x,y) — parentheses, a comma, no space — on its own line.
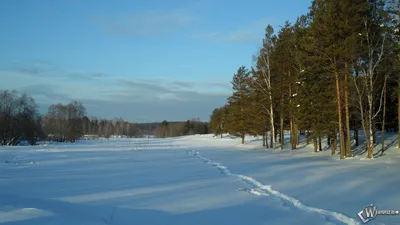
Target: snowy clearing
(191,180)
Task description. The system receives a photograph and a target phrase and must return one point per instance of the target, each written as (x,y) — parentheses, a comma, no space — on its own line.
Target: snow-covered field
(197,180)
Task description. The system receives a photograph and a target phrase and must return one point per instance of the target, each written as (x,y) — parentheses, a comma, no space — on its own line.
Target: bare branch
(381,100)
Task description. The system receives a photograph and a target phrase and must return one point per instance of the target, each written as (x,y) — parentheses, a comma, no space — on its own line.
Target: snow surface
(199,180)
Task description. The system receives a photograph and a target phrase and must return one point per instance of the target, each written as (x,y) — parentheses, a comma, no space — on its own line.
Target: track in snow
(257,188)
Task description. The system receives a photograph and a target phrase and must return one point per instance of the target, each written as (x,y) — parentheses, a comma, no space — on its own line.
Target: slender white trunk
(271,104)
(272,124)
(267,90)
(370,125)
(368,82)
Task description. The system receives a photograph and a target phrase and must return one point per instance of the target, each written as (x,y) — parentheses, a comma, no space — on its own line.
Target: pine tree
(216,121)
(300,32)
(286,84)
(334,28)
(393,9)
(240,110)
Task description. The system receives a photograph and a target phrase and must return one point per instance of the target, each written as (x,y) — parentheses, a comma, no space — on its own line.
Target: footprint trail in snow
(257,188)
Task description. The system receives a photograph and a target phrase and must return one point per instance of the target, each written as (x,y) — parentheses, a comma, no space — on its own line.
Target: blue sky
(140,60)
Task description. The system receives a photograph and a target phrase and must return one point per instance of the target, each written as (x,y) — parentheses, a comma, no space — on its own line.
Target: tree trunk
(242,139)
(347,114)
(329,140)
(272,139)
(320,143)
(292,133)
(315,144)
(308,137)
(370,146)
(374,130)
(264,134)
(371,124)
(383,119)
(267,80)
(282,139)
(340,120)
(398,120)
(370,143)
(334,144)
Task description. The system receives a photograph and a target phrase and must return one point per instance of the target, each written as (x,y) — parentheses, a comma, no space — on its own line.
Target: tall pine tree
(240,116)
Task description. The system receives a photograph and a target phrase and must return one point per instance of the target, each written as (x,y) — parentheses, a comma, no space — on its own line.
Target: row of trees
(335,69)
(20,121)
(173,129)
(69,122)
(64,122)
(105,128)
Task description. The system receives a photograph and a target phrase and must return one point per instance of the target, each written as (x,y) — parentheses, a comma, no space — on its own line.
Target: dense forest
(333,72)
(20,121)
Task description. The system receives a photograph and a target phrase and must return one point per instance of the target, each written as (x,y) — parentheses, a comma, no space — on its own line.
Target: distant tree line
(20,121)
(106,128)
(173,129)
(334,70)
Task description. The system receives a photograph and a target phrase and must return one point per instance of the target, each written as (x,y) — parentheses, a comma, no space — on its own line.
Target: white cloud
(147,23)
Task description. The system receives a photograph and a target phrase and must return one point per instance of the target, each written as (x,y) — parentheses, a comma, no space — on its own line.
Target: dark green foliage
(316,103)
(173,129)
(240,117)
(305,75)
(219,120)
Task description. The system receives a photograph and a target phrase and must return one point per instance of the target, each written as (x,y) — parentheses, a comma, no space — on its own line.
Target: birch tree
(265,76)
(373,42)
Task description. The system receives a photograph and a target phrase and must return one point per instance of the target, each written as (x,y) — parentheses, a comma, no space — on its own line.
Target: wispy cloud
(242,35)
(118,96)
(45,91)
(97,75)
(144,89)
(210,35)
(145,24)
(252,32)
(34,68)
(209,85)
(47,69)
(143,85)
